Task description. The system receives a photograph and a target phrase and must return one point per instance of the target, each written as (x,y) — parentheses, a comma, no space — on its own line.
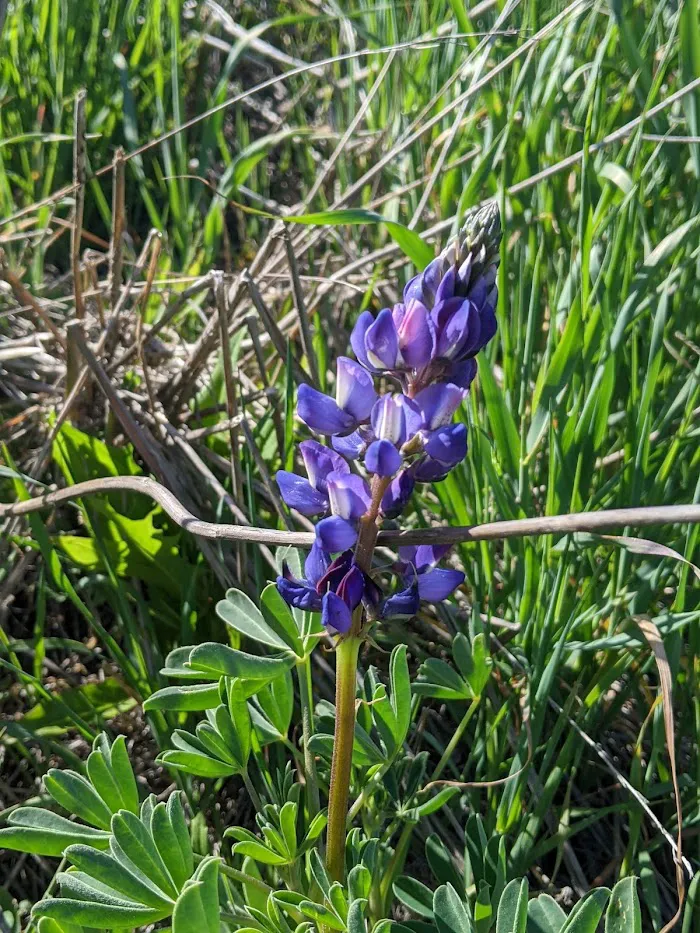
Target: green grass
(588,398)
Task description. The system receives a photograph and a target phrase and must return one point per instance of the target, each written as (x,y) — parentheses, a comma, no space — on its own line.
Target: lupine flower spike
(426,345)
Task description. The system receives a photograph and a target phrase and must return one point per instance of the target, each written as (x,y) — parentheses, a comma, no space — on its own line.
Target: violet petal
(382,342)
(296,593)
(357,337)
(354,390)
(382,458)
(349,495)
(321,413)
(448,445)
(335,614)
(438,584)
(316,564)
(299,494)
(438,403)
(319,461)
(404,603)
(397,495)
(335,534)
(416,333)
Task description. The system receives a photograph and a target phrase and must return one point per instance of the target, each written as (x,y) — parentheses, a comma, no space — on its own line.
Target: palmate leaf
(140,879)
(451,914)
(214,658)
(221,744)
(241,613)
(271,709)
(185,698)
(391,713)
(110,786)
(544,915)
(42,832)
(624,914)
(197,907)
(512,908)
(48,925)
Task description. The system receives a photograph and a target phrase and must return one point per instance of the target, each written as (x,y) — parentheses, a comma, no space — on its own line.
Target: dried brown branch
(27,300)
(78,211)
(492,531)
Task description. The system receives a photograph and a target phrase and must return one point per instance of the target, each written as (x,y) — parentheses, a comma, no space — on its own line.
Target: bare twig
(492,531)
(223,311)
(252,323)
(27,300)
(116,252)
(170,312)
(299,304)
(79,181)
(273,329)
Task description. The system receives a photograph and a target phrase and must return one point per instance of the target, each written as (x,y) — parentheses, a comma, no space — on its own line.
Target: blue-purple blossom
(422,579)
(447,314)
(426,345)
(350,498)
(382,458)
(310,496)
(398,493)
(335,589)
(444,449)
(302,594)
(354,398)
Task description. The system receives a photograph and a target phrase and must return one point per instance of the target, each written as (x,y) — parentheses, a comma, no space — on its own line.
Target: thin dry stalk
(116,250)
(304,323)
(79,154)
(222,313)
(265,474)
(273,330)
(139,437)
(166,317)
(143,300)
(27,300)
(591,522)
(252,324)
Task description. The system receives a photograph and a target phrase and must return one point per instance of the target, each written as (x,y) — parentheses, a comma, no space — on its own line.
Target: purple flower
(396,418)
(444,449)
(404,603)
(310,496)
(350,498)
(418,563)
(302,594)
(335,589)
(399,338)
(382,458)
(397,495)
(447,314)
(354,398)
(437,404)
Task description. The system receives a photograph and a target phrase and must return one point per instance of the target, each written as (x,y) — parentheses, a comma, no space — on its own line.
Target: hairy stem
(345,677)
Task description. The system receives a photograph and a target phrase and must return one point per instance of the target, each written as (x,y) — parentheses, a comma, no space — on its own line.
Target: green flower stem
(454,741)
(254,796)
(306,697)
(395,867)
(398,859)
(240,876)
(345,676)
